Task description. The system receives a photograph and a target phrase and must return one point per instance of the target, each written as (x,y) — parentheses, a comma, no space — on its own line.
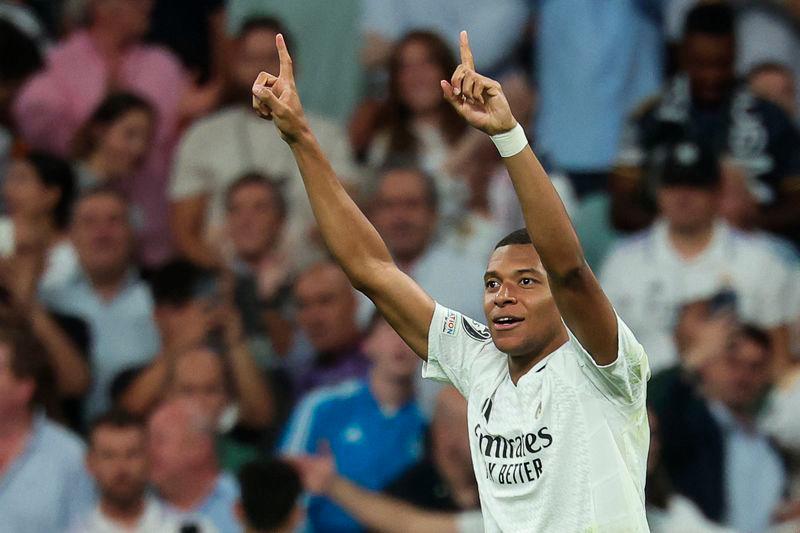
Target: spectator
(113,144)
(206,166)
(376,511)
(415,125)
(774,82)
(203,358)
(184,467)
(270,492)
(117,460)
(326,313)
(405,211)
(38,193)
(443,480)
(667,510)
(255,217)
(106,292)
(702,104)
(690,254)
(711,447)
(110,53)
(42,481)
(19,59)
(372,427)
(586,90)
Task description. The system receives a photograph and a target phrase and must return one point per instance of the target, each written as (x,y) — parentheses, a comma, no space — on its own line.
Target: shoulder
(227,486)
(631,247)
(159,56)
(210,125)
(333,397)
(58,438)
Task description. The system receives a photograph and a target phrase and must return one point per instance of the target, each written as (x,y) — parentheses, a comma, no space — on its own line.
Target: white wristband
(511,142)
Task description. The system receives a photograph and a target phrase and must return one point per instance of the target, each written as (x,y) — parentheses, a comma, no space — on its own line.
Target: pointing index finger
(286,60)
(466,53)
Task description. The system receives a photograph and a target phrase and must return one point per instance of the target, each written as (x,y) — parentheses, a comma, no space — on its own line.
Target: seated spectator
(415,125)
(38,193)
(184,468)
(117,460)
(689,254)
(106,292)
(405,211)
(444,479)
(270,494)
(80,71)
(19,59)
(703,105)
(326,313)
(667,510)
(376,511)
(205,166)
(255,217)
(203,358)
(373,427)
(112,145)
(711,447)
(774,82)
(42,480)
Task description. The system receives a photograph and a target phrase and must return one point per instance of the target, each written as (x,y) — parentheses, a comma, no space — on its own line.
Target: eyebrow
(494,274)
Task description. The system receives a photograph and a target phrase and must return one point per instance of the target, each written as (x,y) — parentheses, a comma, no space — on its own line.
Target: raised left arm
(582,303)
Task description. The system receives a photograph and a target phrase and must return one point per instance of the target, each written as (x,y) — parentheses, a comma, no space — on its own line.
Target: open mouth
(506,322)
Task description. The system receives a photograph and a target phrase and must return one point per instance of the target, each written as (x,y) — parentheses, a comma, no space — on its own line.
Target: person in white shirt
(556,383)
(691,254)
(117,460)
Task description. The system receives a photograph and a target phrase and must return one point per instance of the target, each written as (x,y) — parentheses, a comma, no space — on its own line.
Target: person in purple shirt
(326,314)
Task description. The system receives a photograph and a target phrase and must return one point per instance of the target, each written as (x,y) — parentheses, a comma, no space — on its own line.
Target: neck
(518,366)
(192,489)
(108,42)
(690,242)
(108,284)
(391,393)
(431,117)
(101,167)
(126,514)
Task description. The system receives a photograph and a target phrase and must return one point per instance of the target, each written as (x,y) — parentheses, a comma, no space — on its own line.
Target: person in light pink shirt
(81,70)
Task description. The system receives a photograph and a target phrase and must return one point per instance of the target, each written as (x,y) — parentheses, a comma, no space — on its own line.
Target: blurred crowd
(179,353)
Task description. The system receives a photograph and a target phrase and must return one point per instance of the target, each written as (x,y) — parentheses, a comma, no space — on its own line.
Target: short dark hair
(265,23)
(519,236)
(116,419)
(111,109)
(710,18)
(19,55)
(269,492)
(28,360)
(56,172)
(179,281)
(256,178)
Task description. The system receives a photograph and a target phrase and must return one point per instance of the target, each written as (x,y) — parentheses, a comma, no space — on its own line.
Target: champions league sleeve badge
(476,330)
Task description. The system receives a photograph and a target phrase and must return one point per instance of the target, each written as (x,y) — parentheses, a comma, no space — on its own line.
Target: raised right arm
(353,241)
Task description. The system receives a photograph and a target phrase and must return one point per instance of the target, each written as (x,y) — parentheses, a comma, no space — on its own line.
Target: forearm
(71,369)
(545,217)
(349,236)
(385,514)
(146,389)
(256,407)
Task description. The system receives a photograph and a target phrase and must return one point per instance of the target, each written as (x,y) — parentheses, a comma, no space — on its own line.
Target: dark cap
(686,164)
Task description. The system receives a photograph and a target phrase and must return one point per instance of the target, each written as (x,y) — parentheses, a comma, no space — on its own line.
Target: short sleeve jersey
(565,449)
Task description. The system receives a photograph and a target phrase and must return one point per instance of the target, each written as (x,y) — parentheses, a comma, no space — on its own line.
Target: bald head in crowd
(326,307)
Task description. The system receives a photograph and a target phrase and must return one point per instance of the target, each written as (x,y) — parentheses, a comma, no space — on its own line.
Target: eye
(491,284)
(527,282)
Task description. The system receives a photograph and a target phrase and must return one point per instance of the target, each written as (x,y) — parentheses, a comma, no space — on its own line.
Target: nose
(504,297)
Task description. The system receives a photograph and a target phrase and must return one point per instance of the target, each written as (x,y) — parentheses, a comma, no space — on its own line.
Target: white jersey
(564,450)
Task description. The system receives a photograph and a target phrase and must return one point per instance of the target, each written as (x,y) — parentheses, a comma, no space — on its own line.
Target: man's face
(687,208)
(390,355)
(174,447)
(118,462)
(519,307)
(255,51)
(326,307)
(199,378)
(15,393)
(102,234)
(418,78)
(130,19)
(709,62)
(403,214)
(739,377)
(254,221)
